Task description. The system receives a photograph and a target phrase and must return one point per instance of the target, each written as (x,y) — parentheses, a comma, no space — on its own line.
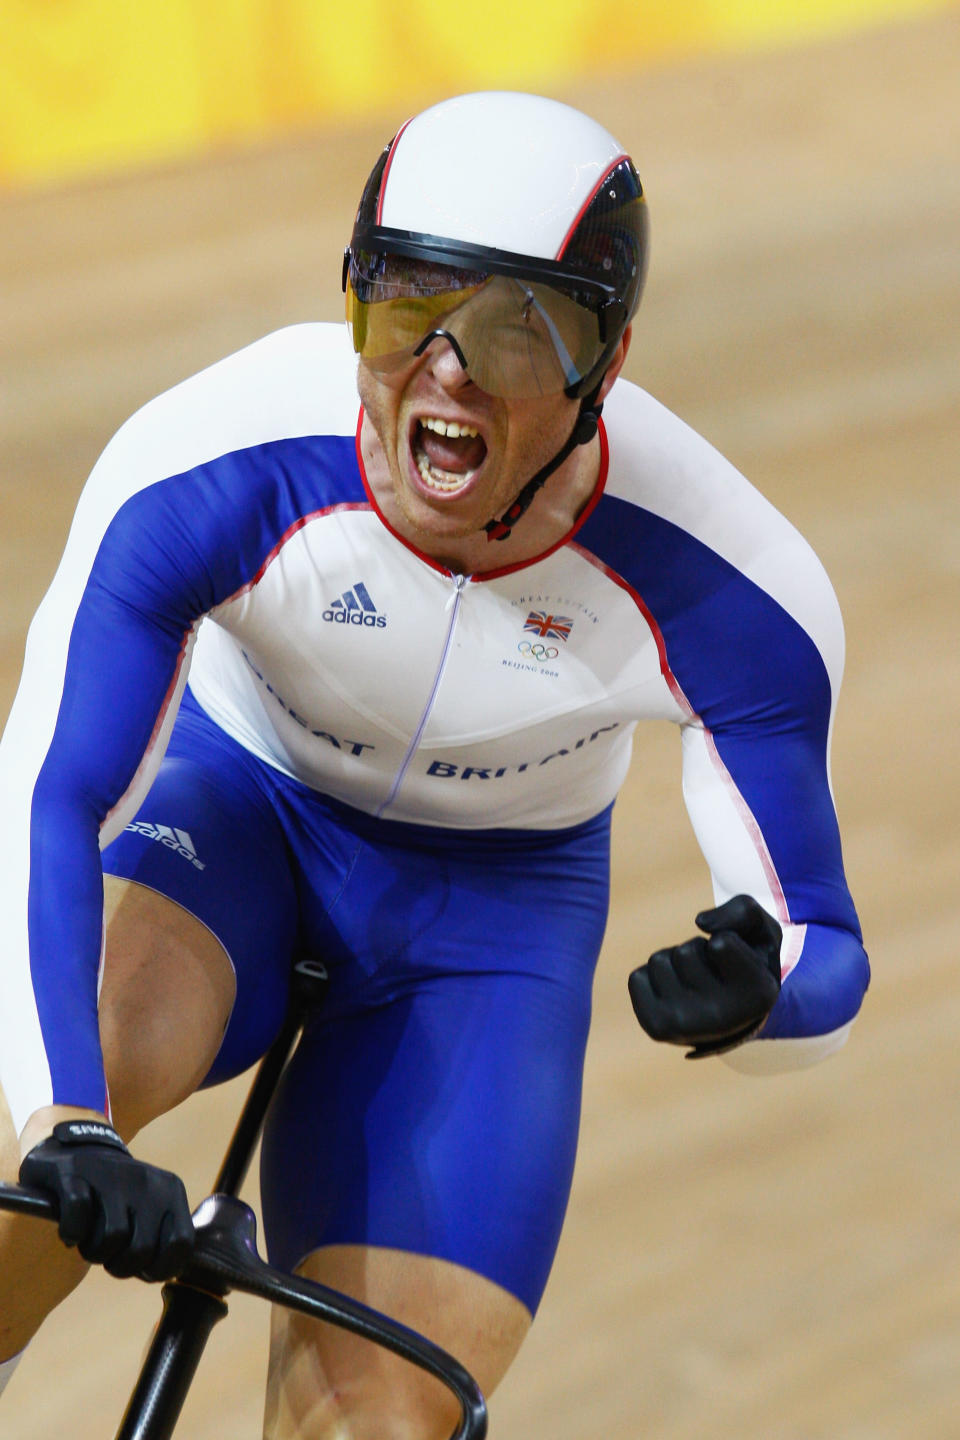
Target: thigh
(443,1123)
(208,848)
(420,1148)
(166,994)
(434,1105)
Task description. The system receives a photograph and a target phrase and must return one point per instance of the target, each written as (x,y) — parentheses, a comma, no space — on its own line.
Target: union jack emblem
(548,627)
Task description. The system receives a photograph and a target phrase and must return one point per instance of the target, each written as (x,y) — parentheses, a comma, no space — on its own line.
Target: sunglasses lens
(523,339)
(520,338)
(393,302)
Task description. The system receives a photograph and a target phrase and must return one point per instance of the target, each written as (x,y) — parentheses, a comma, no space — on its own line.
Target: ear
(616,364)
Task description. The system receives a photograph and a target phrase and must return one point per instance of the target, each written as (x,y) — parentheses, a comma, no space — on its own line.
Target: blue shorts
(433,1104)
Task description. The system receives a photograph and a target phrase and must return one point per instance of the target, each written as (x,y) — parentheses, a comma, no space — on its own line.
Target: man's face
(457,457)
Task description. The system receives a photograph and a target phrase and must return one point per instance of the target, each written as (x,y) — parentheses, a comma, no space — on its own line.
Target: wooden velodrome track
(745,1259)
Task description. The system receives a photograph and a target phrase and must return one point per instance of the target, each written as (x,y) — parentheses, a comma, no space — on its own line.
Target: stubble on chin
(434,523)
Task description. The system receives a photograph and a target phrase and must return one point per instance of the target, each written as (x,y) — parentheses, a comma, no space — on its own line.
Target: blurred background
(92,86)
(753,1259)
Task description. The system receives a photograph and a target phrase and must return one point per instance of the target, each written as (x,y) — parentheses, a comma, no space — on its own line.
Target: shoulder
(225,462)
(294,382)
(660,464)
(299,381)
(694,517)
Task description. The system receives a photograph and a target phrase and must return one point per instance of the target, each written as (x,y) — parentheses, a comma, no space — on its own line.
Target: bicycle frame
(225,1258)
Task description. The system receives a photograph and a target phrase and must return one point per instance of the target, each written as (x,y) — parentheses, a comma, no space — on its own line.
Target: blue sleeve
(761,702)
(171,553)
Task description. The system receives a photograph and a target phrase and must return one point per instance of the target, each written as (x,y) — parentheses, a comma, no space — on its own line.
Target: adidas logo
(177,840)
(354,607)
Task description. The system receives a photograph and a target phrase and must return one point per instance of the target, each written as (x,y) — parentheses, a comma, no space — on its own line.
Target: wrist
(703,1049)
(41,1124)
(81,1131)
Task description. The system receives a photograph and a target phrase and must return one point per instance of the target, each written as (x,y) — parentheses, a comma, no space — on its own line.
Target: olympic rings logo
(538,651)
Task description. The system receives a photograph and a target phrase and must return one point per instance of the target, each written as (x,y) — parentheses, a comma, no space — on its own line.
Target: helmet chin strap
(584,429)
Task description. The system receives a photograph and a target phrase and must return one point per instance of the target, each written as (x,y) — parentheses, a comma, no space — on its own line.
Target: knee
(325,1384)
(36,1269)
(9,1144)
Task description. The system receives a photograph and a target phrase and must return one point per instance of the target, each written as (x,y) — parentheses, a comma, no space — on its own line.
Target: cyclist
(360,681)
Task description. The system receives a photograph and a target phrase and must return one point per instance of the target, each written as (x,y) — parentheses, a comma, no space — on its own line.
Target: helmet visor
(517,338)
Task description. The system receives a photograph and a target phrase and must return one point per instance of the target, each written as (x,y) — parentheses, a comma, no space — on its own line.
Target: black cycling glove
(131,1218)
(712,994)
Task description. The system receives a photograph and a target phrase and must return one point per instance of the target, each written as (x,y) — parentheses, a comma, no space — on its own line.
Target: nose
(446,362)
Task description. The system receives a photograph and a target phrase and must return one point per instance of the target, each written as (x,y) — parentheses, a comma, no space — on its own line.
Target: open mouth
(447,454)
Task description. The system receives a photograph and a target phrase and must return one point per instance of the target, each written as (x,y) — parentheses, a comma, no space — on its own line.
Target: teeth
(449,427)
(440,479)
(444,481)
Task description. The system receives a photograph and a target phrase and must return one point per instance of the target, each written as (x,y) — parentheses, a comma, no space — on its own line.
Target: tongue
(457,456)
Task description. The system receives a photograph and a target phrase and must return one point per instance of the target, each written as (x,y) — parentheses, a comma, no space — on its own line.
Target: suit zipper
(459,584)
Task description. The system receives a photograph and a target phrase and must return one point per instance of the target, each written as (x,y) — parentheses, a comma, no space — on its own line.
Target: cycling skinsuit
(408,774)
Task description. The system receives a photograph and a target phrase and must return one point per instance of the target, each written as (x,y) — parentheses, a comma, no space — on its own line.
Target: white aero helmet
(512,225)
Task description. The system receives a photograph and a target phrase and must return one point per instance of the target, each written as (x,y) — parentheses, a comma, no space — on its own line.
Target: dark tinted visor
(517,337)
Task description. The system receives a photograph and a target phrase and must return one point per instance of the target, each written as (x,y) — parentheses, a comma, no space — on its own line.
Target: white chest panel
(363,671)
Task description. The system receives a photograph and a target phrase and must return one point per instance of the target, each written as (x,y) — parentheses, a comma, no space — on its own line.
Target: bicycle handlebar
(225,1258)
(27,1201)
